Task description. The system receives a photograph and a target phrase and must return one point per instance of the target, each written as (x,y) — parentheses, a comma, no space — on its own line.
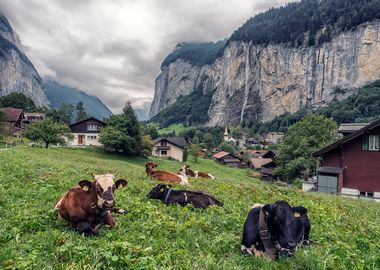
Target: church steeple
(226,135)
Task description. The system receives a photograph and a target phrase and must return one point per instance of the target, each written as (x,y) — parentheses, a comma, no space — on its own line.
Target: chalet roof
(87,119)
(12,114)
(259,162)
(28,114)
(348,138)
(178,141)
(351,127)
(220,154)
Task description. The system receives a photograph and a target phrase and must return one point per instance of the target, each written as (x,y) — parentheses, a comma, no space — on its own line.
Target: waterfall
(246,88)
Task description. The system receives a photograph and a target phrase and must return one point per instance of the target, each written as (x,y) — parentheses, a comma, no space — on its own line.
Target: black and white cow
(275,229)
(166,194)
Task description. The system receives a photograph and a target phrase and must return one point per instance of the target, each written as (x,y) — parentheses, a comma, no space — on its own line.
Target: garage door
(327,183)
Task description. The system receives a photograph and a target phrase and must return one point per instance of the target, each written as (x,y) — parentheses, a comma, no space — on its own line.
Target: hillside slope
(17,73)
(58,94)
(345,232)
(280,61)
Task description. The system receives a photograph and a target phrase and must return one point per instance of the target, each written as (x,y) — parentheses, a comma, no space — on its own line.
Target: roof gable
(178,141)
(88,119)
(348,138)
(12,114)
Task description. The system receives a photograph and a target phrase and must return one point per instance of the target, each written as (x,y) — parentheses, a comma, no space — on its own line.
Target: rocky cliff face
(255,82)
(17,73)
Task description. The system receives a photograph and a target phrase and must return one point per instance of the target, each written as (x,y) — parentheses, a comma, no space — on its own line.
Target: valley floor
(345,232)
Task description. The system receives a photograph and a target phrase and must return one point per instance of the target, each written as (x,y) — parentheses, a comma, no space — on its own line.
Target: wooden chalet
(350,166)
(86,132)
(170,147)
(228,159)
(14,121)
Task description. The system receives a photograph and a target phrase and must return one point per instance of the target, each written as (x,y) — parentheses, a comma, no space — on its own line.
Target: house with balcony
(170,147)
(86,132)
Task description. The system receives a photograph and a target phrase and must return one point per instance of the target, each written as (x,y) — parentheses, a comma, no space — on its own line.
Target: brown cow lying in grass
(165,176)
(89,205)
(182,197)
(189,172)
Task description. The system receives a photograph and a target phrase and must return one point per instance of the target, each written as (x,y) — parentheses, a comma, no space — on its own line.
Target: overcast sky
(114,48)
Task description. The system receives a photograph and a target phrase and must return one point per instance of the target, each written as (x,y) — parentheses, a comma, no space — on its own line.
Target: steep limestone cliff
(17,73)
(254,82)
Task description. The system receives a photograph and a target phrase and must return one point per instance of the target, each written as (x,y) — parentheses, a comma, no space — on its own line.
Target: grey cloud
(114,49)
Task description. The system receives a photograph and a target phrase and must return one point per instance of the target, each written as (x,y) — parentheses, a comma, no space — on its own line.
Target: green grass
(345,232)
(177,128)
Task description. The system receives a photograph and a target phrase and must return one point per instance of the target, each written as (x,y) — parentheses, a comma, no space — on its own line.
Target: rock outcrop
(253,82)
(17,73)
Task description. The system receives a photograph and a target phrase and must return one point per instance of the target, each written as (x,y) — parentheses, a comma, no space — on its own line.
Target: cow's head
(183,169)
(149,166)
(104,186)
(158,191)
(280,218)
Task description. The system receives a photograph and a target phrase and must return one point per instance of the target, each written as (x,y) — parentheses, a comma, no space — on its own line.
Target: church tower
(226,136)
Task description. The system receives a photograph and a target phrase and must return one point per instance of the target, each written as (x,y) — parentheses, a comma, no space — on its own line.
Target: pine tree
(81,112)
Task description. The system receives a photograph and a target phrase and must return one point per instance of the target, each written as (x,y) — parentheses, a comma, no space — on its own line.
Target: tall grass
(345,232)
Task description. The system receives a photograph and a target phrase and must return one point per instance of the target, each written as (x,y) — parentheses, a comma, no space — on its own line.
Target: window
(92,127)
(91,137)
(366,194)
(164,143)
(164,153)
(370,142)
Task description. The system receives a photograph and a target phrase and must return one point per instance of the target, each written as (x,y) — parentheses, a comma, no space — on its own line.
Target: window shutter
(365,142)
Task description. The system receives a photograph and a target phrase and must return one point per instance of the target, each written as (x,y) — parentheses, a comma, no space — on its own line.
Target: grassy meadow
(177,128)
(345,232)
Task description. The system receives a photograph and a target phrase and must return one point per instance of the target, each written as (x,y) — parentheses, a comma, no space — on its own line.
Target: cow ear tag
(162,189)
(85,188)
(120,186)
(297,214)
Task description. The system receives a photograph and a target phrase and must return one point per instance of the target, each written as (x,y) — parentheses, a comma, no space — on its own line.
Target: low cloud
(114,49)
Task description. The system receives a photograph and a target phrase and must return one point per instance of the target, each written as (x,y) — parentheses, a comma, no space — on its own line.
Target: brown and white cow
(189,172)
(165,176)
(89,205)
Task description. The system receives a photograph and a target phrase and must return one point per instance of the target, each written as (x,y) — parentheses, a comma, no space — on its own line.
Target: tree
(17,100)
(123,133)
(300,142)
(193,150)
(81,112)
(63,114)
(48,131)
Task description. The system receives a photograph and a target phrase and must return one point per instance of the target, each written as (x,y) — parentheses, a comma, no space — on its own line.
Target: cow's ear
(85,184)
(299,210)
(267,209)
(121,183)
(155,165)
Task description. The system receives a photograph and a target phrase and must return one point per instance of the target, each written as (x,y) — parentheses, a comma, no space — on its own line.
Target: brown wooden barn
(351,165)
(228,159)
(14,121)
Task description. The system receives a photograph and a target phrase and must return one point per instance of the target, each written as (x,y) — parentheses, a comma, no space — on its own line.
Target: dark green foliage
(17,100)
(81,112)
(64,113)
(207,137)
(300,142)
(48,131)
(124,134)
(197,54)
(191,109)
(308,22)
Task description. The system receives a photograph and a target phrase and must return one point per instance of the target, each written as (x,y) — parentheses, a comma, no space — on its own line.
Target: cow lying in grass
(89,205)
(165,176)
(166,194)
(189,172)
(275,229)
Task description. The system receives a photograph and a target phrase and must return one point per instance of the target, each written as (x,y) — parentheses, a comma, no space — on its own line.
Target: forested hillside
(308,22)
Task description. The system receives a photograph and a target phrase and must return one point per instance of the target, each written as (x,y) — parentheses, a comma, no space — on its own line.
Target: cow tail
(211,176)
